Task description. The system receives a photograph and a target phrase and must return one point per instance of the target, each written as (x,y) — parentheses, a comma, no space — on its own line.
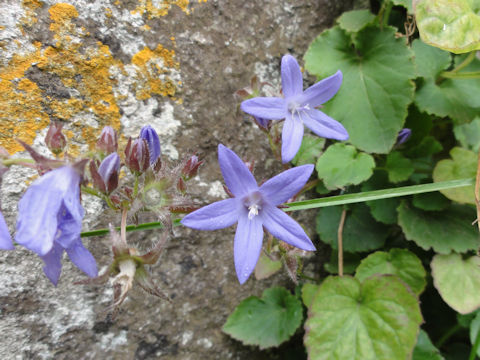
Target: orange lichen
(30,7)
(160,8)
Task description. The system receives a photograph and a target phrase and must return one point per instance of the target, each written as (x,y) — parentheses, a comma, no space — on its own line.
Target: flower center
(295,107)
(253,202)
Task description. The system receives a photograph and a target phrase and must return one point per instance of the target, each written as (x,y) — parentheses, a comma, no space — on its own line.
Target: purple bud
(107,142)
(108,170)
(150,135)
(54,139)
(190,169)
(403,135)
(263,123)
(137,155)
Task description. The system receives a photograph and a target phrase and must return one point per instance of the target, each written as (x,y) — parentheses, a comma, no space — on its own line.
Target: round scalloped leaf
(452,25)
(432,201)
(360,231)
(399,168)
(405,3)
(444,231)
(267,321)
(384,210)
(378,319)
(355,20)
(457,280)
(308,293)
(377,88)
(309,151)
(425,350)
(468,135)
(463,165)
(429,61)
(400,262)
(266,267)
(342,165)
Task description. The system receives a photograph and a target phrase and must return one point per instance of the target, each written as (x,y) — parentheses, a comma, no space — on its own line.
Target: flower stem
(473,352)
(123,227)
(465,62)
(450,332)
(17,161)
(340,242)
(135,187)
(144,226)
(462,75)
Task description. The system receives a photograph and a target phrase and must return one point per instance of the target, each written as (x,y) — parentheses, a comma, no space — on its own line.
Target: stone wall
(174,64)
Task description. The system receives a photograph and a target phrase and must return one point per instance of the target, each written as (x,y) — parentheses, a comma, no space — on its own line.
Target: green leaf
(457,280)
(451,97)
(266,321)
(426,147)
(400,262)
(308,293)
(425,350)
(350,262)
(468,135)
(360,231)
(405,3)
(451,25)
(430,61)
(377,88)
(399,168)
(266,267)
(462,165)
(444,231)
(309,151)
(355,20)
(384,210)
(376,320)
(474,332)
(430,201)
(342,165)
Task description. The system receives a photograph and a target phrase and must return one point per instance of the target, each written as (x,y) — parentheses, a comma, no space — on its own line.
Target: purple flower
(5,238)
(403,135)
(108,171)
(50,220)
(150,135)
(297,107)
(253,208)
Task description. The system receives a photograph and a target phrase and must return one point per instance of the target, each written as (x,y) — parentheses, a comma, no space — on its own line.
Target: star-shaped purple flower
(297,107)
(50,220)
(253,207)
(5,238)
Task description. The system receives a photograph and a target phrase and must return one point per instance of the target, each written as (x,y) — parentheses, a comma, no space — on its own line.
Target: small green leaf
(310,150)
(342,165)
(360,231)
(384,210)
(425,350)
(405,3)
(308,293)
(457,280)
(399,168)
(451,25)
(444,231)
(474,331)
(426,147)
(376,320)
(350,262)
(468,134)
(266,267)
(462,165)
(433,201)
(266,321)
(355,20)
(430,61)
(377,71)
(401,262)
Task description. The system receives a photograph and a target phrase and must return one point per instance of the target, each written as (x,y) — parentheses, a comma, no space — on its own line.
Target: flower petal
(148,133)
(292,135)
(292,81)
(282,187)
(219,215)
(323,125)
(271,108)
(322,91)
(82,258)
(285,228)
(247,246)
(109,166)
(238,178)
(53,263)
(5,238)
(69,227)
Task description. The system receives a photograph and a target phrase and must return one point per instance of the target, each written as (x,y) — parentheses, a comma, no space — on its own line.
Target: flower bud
(108,170)
(107,142)
(190,169)
(403,135)
(137,156)
(181,186)
(150,135)
(54,139)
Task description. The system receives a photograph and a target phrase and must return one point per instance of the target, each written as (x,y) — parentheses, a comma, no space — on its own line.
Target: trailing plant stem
(340,242)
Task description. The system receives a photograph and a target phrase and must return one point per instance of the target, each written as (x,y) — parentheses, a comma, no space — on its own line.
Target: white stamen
(253,211)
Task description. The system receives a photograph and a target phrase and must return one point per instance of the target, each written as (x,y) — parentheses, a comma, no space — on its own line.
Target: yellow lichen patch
(30,6)
(155,9)
(108,12)
(152,66)
(61,15)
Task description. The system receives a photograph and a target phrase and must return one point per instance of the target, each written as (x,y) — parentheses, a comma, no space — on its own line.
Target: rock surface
(173,64)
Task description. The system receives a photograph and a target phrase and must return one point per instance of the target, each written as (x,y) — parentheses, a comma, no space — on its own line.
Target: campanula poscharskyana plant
(150,135)
(253,207)
(50,220)
(297,107)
